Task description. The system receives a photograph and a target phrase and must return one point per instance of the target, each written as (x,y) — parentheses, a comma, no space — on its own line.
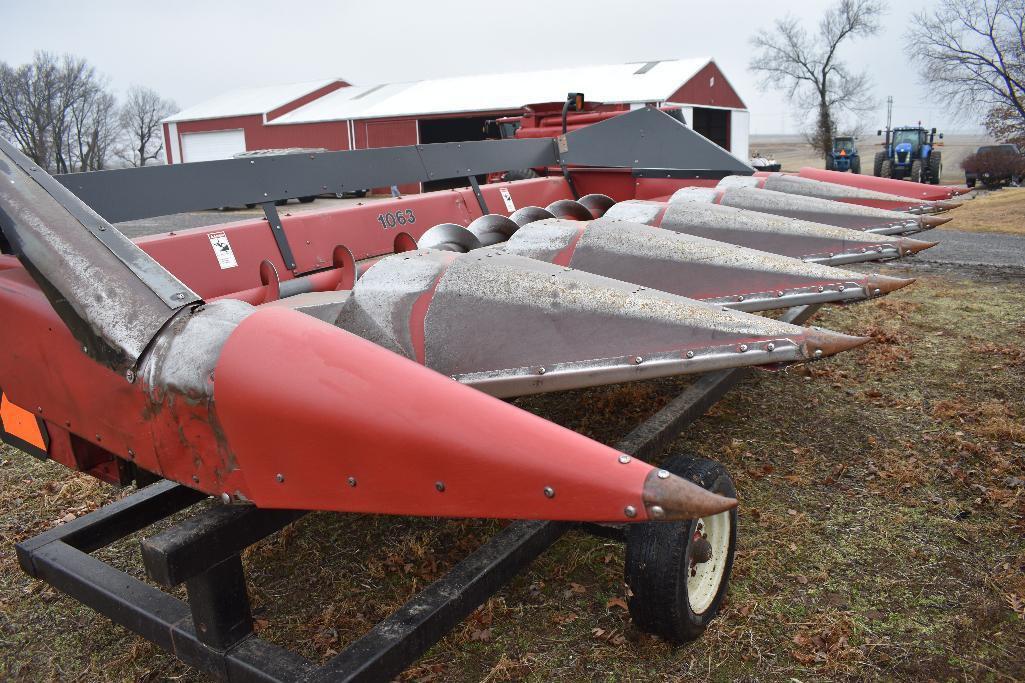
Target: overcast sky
(191,50)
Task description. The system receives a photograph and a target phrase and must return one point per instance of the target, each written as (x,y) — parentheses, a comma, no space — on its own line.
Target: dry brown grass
(993,211)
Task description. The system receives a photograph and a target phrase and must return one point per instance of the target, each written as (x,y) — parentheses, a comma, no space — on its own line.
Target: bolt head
(351,481)
(225,498)
(657,512)
(878,291)
(280,478)
(770,347)
(821,288)
(541,371)
(690,354)
(630,511)
(549,492)
(740,298)
(818,353)
(662,474)
(625,458)
(638,360)
(840,288)
(440,485)
(779,293)
(130,376)
(743,348)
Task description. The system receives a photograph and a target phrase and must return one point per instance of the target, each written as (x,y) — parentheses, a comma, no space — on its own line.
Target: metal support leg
(278,231)
(220,604)
(480,197)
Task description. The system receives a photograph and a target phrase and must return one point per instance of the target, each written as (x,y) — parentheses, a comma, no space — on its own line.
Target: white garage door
(217,144)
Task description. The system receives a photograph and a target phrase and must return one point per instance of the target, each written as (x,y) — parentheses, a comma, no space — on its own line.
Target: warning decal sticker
(222,250)
(507,198)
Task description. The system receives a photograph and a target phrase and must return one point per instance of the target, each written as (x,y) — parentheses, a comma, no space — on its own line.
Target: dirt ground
(793,152)
(882,532)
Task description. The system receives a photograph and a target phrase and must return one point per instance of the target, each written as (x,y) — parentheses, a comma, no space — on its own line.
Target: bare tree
(972,54)
(808,68)
(26,94)
(93,129)
(141,115)
(47,107)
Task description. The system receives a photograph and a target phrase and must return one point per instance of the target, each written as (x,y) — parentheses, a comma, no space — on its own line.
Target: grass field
(882,531)
(1000,210)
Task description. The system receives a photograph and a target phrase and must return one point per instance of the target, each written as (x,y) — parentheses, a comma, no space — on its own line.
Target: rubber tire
(519,174)
(915,175)
(969,182)
(886,169)
(877,165)
(830,163)
(658,560)
(306,200)
(935,167)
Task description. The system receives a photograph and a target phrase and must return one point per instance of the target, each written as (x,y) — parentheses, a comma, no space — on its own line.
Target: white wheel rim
(705,578)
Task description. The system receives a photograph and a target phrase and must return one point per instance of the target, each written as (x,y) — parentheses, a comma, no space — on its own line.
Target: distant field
(793,152)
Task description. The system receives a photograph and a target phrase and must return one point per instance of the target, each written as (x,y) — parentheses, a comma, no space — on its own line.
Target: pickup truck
(994,165)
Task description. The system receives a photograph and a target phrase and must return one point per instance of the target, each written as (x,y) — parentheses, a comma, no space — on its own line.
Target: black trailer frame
(213,630)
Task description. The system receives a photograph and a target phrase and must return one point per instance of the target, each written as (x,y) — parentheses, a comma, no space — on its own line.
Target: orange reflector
(20,423)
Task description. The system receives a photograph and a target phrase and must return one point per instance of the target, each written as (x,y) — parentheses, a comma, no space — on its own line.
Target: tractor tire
(856,165)
(519,174)
(916,172)
(969,183)
(674,594)
(877,166)
(935,167)
(886,169)
(830,164)
(307,200)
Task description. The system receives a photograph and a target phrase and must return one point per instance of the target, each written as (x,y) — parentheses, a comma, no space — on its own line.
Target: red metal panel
(363,228)
(322,444)
(891,185)
(708,87)
(331,135)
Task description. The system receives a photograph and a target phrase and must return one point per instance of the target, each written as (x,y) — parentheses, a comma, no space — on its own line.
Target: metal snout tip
(669,497)
(947,204)
(912,246)
(935,221)
(821,343)
(878,285)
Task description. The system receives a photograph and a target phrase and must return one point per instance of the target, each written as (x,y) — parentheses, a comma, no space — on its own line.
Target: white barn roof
(248,101)
(611,83)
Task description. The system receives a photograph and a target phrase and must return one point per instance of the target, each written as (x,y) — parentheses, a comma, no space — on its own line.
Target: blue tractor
(910,154)
(844,156)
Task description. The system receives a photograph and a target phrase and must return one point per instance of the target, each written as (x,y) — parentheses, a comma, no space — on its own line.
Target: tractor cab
(843,146)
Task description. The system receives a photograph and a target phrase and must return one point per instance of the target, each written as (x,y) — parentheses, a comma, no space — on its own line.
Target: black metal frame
(645,138)
(213,631)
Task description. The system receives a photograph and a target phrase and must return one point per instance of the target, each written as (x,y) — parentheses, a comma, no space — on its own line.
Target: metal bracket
(480,197)
(561,147)
(278,231)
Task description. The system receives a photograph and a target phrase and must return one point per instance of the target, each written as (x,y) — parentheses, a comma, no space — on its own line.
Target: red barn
(336,115)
